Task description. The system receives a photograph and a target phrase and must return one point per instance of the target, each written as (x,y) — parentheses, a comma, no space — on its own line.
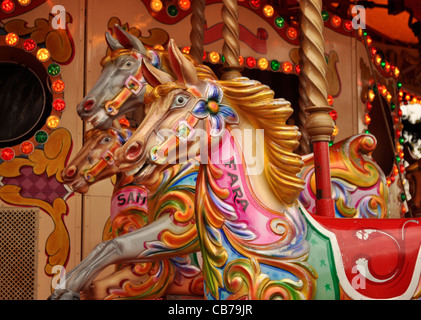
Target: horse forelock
(91,134)
(162,91)
(115,54)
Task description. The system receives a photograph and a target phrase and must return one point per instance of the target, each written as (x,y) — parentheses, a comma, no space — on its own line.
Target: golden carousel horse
(256,239)
(246,212)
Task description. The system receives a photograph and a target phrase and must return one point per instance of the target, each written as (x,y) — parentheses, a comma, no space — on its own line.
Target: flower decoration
(212,107)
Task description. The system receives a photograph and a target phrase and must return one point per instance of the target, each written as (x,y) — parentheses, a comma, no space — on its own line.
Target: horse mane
(203,71)
(257,102)
(93,133)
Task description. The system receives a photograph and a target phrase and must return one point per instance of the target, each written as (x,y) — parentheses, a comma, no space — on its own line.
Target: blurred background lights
(53,122)
(268,11)
(156,5)
(29,45)
(27,147)
(58,86)
(12,39)
(7,154)
(24,3)
(7,6)
(184,4)
(43,55)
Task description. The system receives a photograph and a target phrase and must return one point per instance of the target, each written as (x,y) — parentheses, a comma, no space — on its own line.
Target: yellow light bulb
(268,10)
(335,131)
(214,57)
(24,2)
(53,122)
(156,5)
(12,39)
(262,63)
(43,55)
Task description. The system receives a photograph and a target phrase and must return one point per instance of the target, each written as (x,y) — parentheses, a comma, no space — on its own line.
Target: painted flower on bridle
(211,106)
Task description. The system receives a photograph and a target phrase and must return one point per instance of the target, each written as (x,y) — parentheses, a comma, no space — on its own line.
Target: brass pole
(197,29)
(231,35)
(313,93)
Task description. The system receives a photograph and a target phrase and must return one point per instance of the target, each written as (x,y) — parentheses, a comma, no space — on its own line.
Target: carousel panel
(42,49)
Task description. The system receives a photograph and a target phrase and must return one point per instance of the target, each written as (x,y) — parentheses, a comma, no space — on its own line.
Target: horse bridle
(183,130)
(107,158)
(133,85)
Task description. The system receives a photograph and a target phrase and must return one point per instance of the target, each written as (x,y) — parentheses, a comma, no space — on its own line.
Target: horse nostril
(134,152)
(70,171)
(87,105)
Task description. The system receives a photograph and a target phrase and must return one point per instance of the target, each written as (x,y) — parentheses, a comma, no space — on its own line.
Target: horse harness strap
(107,159)
(183,131)
(132,86)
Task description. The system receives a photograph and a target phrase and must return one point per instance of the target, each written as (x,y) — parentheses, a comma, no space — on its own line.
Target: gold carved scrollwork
(51,161)
(57,41)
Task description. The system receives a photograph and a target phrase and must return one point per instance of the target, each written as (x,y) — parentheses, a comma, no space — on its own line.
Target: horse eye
(106,140)
(180,101)
(128,64)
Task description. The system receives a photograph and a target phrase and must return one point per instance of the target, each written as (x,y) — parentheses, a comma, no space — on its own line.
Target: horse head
(181,110)
(120,87)
(95,161)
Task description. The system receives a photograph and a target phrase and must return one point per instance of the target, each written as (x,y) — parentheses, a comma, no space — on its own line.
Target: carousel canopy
(393,21)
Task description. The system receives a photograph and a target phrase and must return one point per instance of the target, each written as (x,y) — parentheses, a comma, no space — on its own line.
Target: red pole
(324,201)
(313,100)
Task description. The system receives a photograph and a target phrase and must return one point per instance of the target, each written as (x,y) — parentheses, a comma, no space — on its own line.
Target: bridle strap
(183,130)
(132,86)
(107,159)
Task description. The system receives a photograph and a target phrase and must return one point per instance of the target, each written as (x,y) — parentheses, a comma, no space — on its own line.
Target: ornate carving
(313,84)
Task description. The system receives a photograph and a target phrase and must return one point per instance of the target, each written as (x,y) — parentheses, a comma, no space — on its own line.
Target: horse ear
(129,41)
(112,42)
(154,76)
(181,66)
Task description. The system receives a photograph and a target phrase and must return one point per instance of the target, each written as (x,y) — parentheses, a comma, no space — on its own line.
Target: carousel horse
(94,162)
(132,247)
(257,240)
(120,88)
(251,231)
(133,207)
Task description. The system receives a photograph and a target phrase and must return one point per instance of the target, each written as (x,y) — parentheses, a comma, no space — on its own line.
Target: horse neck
(232,189)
